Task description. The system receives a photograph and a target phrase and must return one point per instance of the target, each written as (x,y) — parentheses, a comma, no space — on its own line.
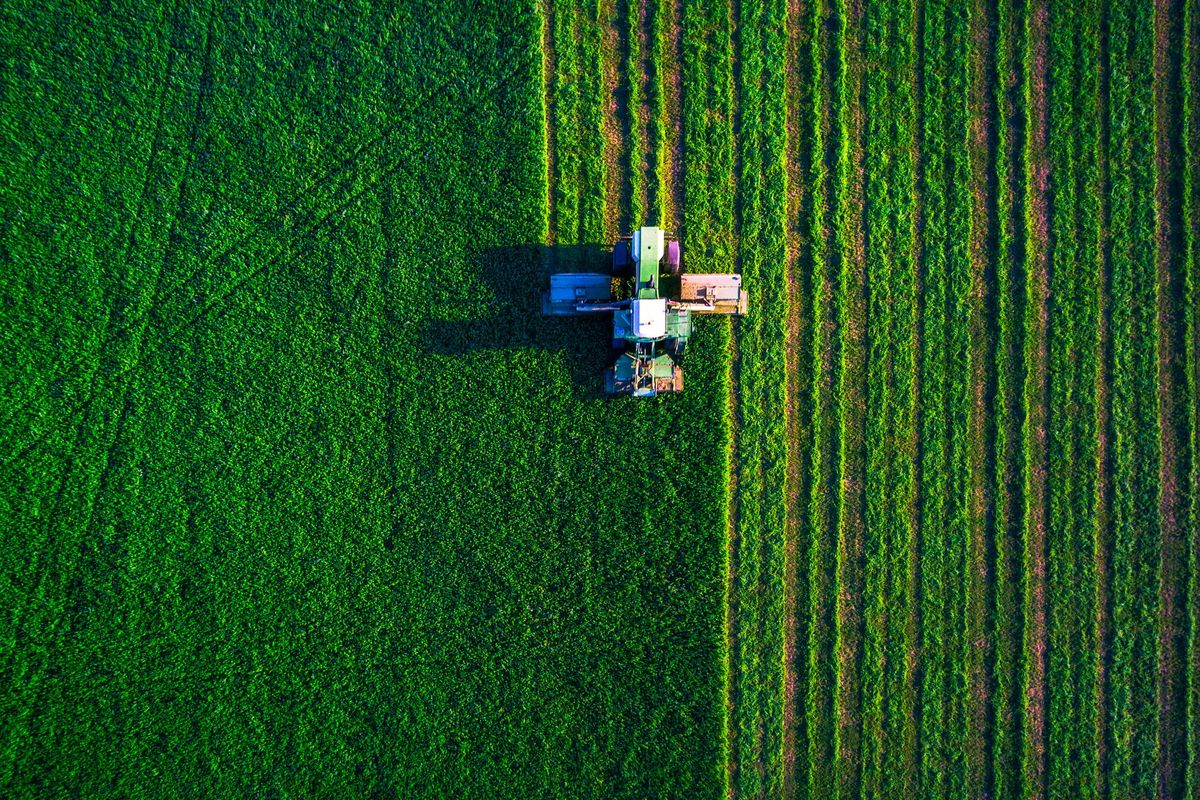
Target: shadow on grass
(516,277)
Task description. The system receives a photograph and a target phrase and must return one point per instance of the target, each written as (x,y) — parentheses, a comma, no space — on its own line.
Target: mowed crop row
(961,556)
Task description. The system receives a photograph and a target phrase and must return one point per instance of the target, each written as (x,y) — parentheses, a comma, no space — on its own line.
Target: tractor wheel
(622,265)
(672,257)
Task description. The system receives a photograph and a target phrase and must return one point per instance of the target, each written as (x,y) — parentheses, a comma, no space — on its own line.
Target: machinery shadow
(515,278)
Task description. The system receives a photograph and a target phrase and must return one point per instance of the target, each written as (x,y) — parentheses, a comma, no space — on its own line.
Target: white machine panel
(650,318)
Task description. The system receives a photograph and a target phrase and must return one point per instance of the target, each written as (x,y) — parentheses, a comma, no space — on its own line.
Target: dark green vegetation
(301,496)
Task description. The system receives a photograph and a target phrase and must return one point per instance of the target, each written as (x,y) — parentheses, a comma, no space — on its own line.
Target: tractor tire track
(138,334)
(118,300)
(264,223)
(274,252)
(269,223)
(147,169)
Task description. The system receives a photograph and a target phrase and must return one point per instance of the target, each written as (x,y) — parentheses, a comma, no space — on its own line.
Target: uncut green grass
(338,512)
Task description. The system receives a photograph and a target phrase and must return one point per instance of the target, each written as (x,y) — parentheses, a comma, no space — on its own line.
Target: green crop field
(301,496)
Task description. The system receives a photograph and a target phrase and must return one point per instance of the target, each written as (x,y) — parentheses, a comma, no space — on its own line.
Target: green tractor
(652,309)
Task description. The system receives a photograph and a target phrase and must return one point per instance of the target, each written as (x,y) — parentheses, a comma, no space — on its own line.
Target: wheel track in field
(81,426)
(117,299)
(206,85)
(268,223)
(263,221)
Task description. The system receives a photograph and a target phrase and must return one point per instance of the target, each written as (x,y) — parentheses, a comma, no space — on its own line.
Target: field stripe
(980,662)
(1136,456)
(797,343)
(641,96)
(879,146)
(549,111)
(818,702)
(958,400)
(601,140)
(616,99)
(670,156)
(761,398)
(1102,531)
(707,217)
(1062,661)
(1191,213)
(851,326)
(1173,429)
(934,431)
(1037,220)
(748,122)
(1084,410)
(901,760)
(1008,613)
(776,303)
(565,123)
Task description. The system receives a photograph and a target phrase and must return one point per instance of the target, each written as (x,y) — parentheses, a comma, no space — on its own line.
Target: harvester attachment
(718,293)
(578,293)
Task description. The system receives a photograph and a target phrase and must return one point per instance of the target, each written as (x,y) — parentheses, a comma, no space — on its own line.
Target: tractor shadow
(515,278)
